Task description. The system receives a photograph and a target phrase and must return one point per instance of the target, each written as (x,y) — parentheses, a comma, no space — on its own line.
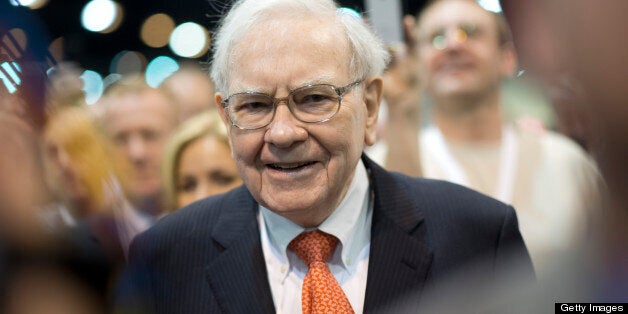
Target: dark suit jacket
(207,257)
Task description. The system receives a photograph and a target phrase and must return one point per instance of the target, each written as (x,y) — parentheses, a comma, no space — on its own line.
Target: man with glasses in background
(459,55)
(317,227)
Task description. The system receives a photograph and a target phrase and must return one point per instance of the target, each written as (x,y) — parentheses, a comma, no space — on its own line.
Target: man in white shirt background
(459,55)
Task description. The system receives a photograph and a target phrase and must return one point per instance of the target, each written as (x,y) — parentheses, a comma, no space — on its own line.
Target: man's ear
(372,97)
(223,114)
(221,110)
(509,62)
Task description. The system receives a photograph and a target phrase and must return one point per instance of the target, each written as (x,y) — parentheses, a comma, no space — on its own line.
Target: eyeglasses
(460,34)
(310,104)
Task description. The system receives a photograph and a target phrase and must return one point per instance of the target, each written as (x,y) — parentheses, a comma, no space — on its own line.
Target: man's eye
(439,41)
(470,29)
(436,35)
(253,106)
(121,138)
(150,135)
(314,98)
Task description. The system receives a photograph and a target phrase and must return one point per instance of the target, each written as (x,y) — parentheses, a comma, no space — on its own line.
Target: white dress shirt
(350,223)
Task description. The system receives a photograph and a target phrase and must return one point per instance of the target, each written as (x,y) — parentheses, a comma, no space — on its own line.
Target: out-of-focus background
(117,37)
(107,38)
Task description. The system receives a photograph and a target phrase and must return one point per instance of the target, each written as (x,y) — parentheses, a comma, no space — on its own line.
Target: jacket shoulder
(191,222)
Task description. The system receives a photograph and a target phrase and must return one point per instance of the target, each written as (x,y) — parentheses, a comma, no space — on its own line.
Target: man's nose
(63,159)
(455,38)
(285,129)
(136,148)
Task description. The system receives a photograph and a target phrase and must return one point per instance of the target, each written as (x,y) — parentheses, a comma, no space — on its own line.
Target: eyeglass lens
(460,34)
(309,104)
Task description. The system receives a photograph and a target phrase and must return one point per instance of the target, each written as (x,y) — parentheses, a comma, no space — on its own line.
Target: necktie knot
(321,292)
(313,246)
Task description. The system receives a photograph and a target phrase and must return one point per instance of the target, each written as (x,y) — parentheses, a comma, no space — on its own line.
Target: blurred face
(22,190)
(194,93)
(300,170)
(459,51)
(205,168)
(140,125)
(63,173)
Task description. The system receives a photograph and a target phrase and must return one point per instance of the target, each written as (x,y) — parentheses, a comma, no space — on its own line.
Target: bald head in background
(140,120)
(191,89)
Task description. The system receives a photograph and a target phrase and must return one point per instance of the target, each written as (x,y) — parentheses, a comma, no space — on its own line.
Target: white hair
(369,57)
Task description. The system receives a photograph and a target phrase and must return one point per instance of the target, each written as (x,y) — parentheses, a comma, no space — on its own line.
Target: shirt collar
(348,222)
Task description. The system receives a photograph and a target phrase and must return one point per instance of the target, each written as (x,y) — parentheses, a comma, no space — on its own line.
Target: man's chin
(456,91)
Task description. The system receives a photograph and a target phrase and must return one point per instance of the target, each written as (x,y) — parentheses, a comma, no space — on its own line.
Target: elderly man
(316,227)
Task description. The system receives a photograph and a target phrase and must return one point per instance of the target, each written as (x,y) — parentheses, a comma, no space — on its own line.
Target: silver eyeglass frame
(340,91)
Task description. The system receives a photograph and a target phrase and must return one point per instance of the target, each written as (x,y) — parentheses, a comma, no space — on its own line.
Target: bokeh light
(9,75)
(15,41)
(32,4)
(491,5)
(350,12)
(102,16)
(159,69)
(127,62)
(156,30)
(189,40)
(92,86)
(56,49)
(110,79)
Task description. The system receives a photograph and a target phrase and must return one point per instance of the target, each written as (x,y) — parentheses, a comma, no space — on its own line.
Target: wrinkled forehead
(289,42)
(453,13)
(143,106)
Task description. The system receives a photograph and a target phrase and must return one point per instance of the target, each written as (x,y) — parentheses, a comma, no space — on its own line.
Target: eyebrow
(324,79)
(477,23)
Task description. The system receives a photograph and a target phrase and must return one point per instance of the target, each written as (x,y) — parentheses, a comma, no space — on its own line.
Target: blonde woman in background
(198,161)
(84,174)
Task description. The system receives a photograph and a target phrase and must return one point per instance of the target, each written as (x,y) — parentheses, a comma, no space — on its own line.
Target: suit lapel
(400,258)
(398,264)
(238,275)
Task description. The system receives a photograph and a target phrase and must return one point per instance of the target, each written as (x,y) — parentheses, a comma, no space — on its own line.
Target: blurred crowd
(78,181)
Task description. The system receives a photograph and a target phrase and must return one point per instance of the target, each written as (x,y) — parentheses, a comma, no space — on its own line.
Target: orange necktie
(321,292)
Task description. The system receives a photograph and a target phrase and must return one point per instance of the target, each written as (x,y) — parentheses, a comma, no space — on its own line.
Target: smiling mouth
(455,66)
(290,166)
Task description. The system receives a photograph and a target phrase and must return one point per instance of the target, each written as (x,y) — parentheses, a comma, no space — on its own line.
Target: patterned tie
(321,292)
